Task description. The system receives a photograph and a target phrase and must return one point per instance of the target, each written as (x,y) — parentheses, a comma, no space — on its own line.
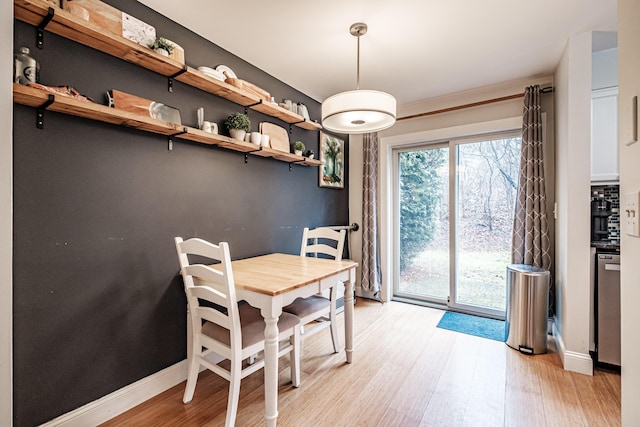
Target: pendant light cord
(358,29)
(358,66)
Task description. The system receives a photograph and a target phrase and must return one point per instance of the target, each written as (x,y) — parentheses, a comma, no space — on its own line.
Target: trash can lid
(525,268)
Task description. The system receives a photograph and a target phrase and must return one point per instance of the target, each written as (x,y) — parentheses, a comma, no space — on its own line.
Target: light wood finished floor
(406,372)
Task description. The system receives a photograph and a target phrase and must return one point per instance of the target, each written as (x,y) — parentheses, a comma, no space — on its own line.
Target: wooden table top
(275,274)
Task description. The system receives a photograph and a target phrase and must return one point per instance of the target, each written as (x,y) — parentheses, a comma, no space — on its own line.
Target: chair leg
(193,366)
(332,319)
(294,356)
(234,392)
(192,378)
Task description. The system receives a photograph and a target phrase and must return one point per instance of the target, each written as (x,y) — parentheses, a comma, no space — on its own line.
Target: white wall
(6,219)
(573,139)
(629,86)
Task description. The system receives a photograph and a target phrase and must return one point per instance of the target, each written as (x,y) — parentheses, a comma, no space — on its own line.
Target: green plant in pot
(238,125)
(298,148)
(162,46)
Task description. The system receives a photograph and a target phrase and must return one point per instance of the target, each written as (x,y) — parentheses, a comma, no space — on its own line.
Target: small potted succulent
(309,154)
(162,46)
(238,125)
(298,148)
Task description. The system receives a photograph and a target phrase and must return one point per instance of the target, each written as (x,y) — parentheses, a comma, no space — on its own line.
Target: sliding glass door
(423,203)
(454,216)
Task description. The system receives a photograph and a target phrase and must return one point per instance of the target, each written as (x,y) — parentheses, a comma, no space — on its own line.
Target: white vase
(297,152)
(237,134)
(162,51)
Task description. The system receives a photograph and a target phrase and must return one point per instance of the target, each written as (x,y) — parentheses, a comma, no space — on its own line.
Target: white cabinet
(604,135)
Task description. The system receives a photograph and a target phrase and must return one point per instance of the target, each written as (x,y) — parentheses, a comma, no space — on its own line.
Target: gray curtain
(370,251)
(531,243)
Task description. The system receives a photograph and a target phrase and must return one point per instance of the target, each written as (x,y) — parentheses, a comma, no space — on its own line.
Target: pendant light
(358,111)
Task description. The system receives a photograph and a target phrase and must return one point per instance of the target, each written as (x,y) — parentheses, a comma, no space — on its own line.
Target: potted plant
(298,148)
(309,154)
(238,125)
(162,46)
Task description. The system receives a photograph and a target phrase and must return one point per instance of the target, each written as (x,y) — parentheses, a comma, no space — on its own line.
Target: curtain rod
(473,104)
(352,227)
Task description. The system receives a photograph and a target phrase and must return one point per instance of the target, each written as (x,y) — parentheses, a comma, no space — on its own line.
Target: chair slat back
(203,283)
(322,239)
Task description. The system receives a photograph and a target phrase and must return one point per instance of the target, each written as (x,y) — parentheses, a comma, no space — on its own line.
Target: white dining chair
(318,312)
(233,331)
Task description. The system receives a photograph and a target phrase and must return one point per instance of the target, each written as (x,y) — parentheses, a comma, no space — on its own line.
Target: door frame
(387,144)
(453,182)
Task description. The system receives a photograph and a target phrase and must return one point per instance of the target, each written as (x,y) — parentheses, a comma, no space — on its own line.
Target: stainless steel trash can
(527,308)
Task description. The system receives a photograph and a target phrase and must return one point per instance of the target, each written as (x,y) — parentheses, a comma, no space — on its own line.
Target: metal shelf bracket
(40,111)
(170,147)
(170,78)
(246,107)
(40,28)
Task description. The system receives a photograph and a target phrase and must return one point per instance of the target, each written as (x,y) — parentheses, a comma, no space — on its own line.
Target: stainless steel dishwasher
(608,309)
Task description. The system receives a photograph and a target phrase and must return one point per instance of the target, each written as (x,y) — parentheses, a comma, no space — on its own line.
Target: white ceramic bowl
(212,73)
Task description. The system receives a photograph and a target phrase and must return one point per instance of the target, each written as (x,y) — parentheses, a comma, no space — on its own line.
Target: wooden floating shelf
(37,98)
(33,97)
(69,26)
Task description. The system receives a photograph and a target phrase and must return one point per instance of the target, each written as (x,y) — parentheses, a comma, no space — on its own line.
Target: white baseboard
(572,360)
(114,404)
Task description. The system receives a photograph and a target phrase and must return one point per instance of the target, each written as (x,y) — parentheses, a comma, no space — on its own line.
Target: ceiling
(414,49)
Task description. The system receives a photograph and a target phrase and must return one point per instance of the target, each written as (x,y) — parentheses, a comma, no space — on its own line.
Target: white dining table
(273,281)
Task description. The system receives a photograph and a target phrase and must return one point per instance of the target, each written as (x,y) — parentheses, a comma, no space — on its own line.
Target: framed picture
(331,173)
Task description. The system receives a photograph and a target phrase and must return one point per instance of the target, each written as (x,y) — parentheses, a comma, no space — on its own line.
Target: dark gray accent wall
(98,302)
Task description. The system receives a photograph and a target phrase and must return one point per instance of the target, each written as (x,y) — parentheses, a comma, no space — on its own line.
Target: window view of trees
(420,199)
(486,189)
(424,222)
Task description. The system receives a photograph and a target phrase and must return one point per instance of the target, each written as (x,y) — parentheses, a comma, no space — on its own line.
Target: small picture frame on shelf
(331,153)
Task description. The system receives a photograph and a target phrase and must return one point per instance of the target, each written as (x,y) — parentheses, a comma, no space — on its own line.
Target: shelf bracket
(170,147)
(170,82)
(40,28)
(40,111)
(246,154)
(246,107)
(182,132)
(294,123)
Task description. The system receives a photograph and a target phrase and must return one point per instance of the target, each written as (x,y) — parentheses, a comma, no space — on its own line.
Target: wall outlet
(630,215)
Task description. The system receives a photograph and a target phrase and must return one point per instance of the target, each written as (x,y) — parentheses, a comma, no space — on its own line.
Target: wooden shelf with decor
(287,157)
(58,21)
(45,101)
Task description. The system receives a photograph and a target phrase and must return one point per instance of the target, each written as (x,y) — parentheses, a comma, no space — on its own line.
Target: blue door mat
(473,325)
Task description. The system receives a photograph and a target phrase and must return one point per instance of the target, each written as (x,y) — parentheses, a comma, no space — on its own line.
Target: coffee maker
(600,213)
